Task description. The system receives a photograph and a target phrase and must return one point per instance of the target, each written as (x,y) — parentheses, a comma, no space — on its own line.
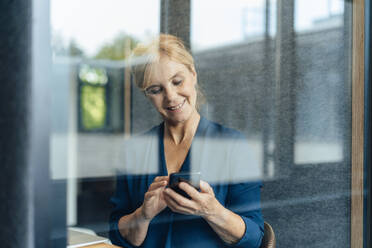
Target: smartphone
(192,178)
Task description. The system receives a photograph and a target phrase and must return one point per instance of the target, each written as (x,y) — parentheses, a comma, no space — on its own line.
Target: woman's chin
(177,117)
(175,120)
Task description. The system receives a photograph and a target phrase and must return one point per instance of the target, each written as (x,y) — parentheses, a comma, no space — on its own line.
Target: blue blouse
(224,160)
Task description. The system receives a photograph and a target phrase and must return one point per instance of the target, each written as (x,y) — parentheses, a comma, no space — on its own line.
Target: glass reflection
(91,41)
(320,83)
(291,102)
(231,23)
(318,14)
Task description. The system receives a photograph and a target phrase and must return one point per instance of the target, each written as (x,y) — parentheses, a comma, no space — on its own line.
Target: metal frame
(48,208)
(285,76)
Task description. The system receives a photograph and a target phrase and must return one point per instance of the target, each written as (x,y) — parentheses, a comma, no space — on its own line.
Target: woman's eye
(153,90)
(178,82)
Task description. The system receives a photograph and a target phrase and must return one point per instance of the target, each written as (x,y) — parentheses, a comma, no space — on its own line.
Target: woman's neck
(182,132)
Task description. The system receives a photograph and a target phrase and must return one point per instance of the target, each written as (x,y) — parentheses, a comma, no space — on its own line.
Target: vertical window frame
(357,139)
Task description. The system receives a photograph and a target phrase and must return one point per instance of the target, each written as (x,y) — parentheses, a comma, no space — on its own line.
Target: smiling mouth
(176,107)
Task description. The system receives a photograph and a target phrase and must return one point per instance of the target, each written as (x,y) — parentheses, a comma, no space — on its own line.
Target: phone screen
(192,178)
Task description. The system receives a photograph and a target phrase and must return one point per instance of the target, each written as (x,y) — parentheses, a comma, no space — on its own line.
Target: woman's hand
(228,225)
(202,203)
(154,202)
(134,226)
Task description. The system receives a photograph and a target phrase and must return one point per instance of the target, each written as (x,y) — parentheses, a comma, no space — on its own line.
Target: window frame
(357,125)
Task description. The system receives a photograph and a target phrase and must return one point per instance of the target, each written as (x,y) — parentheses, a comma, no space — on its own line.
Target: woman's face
(171,89)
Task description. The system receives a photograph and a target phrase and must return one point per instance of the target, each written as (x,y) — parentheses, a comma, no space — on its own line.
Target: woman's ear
(193,71)
(194,74)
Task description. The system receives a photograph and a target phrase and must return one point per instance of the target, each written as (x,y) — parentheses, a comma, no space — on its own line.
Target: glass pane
(91,99)
(322,81)
(91,25)
(227,24)
(276,78)
(318,14)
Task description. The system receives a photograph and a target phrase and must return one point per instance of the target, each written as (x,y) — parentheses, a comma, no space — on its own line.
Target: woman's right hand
(134,226)
(154,201)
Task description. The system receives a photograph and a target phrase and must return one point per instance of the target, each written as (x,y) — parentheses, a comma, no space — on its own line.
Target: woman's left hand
(228,225)
(203,203)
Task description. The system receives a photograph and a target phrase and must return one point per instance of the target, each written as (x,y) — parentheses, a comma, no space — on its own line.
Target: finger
(156,185)
(191,191)
(205,187)
(172,204)
(149,194)
(176,208)
(161,178)
(152,193)
(182,201)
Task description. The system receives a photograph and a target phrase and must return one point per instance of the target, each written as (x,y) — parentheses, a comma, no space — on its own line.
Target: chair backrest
(268,240)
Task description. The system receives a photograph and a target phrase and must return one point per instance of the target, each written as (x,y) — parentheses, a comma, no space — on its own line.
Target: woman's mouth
(176,107)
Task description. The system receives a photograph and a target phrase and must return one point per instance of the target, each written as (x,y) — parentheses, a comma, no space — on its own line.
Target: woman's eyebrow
(179,73)
(152,86)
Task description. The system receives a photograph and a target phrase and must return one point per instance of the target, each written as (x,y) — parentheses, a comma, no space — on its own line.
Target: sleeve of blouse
(121,206)
(244,200)
(244,191)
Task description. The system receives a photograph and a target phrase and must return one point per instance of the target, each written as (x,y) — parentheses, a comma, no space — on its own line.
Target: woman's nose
(170,93)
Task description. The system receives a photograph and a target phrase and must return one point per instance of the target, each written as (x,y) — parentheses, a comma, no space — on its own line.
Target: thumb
(205,187)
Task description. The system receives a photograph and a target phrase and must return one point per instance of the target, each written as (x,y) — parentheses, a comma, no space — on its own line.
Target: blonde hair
(145,55)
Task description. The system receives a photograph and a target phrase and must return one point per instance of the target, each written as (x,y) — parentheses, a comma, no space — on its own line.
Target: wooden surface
(357,125)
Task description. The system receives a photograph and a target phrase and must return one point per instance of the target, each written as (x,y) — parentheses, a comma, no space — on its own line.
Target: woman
(149,214)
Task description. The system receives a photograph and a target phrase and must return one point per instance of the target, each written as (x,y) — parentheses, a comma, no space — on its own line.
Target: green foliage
(93,106)
(116,50)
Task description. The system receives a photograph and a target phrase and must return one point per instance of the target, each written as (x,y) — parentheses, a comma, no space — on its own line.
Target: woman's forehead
(165,69)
